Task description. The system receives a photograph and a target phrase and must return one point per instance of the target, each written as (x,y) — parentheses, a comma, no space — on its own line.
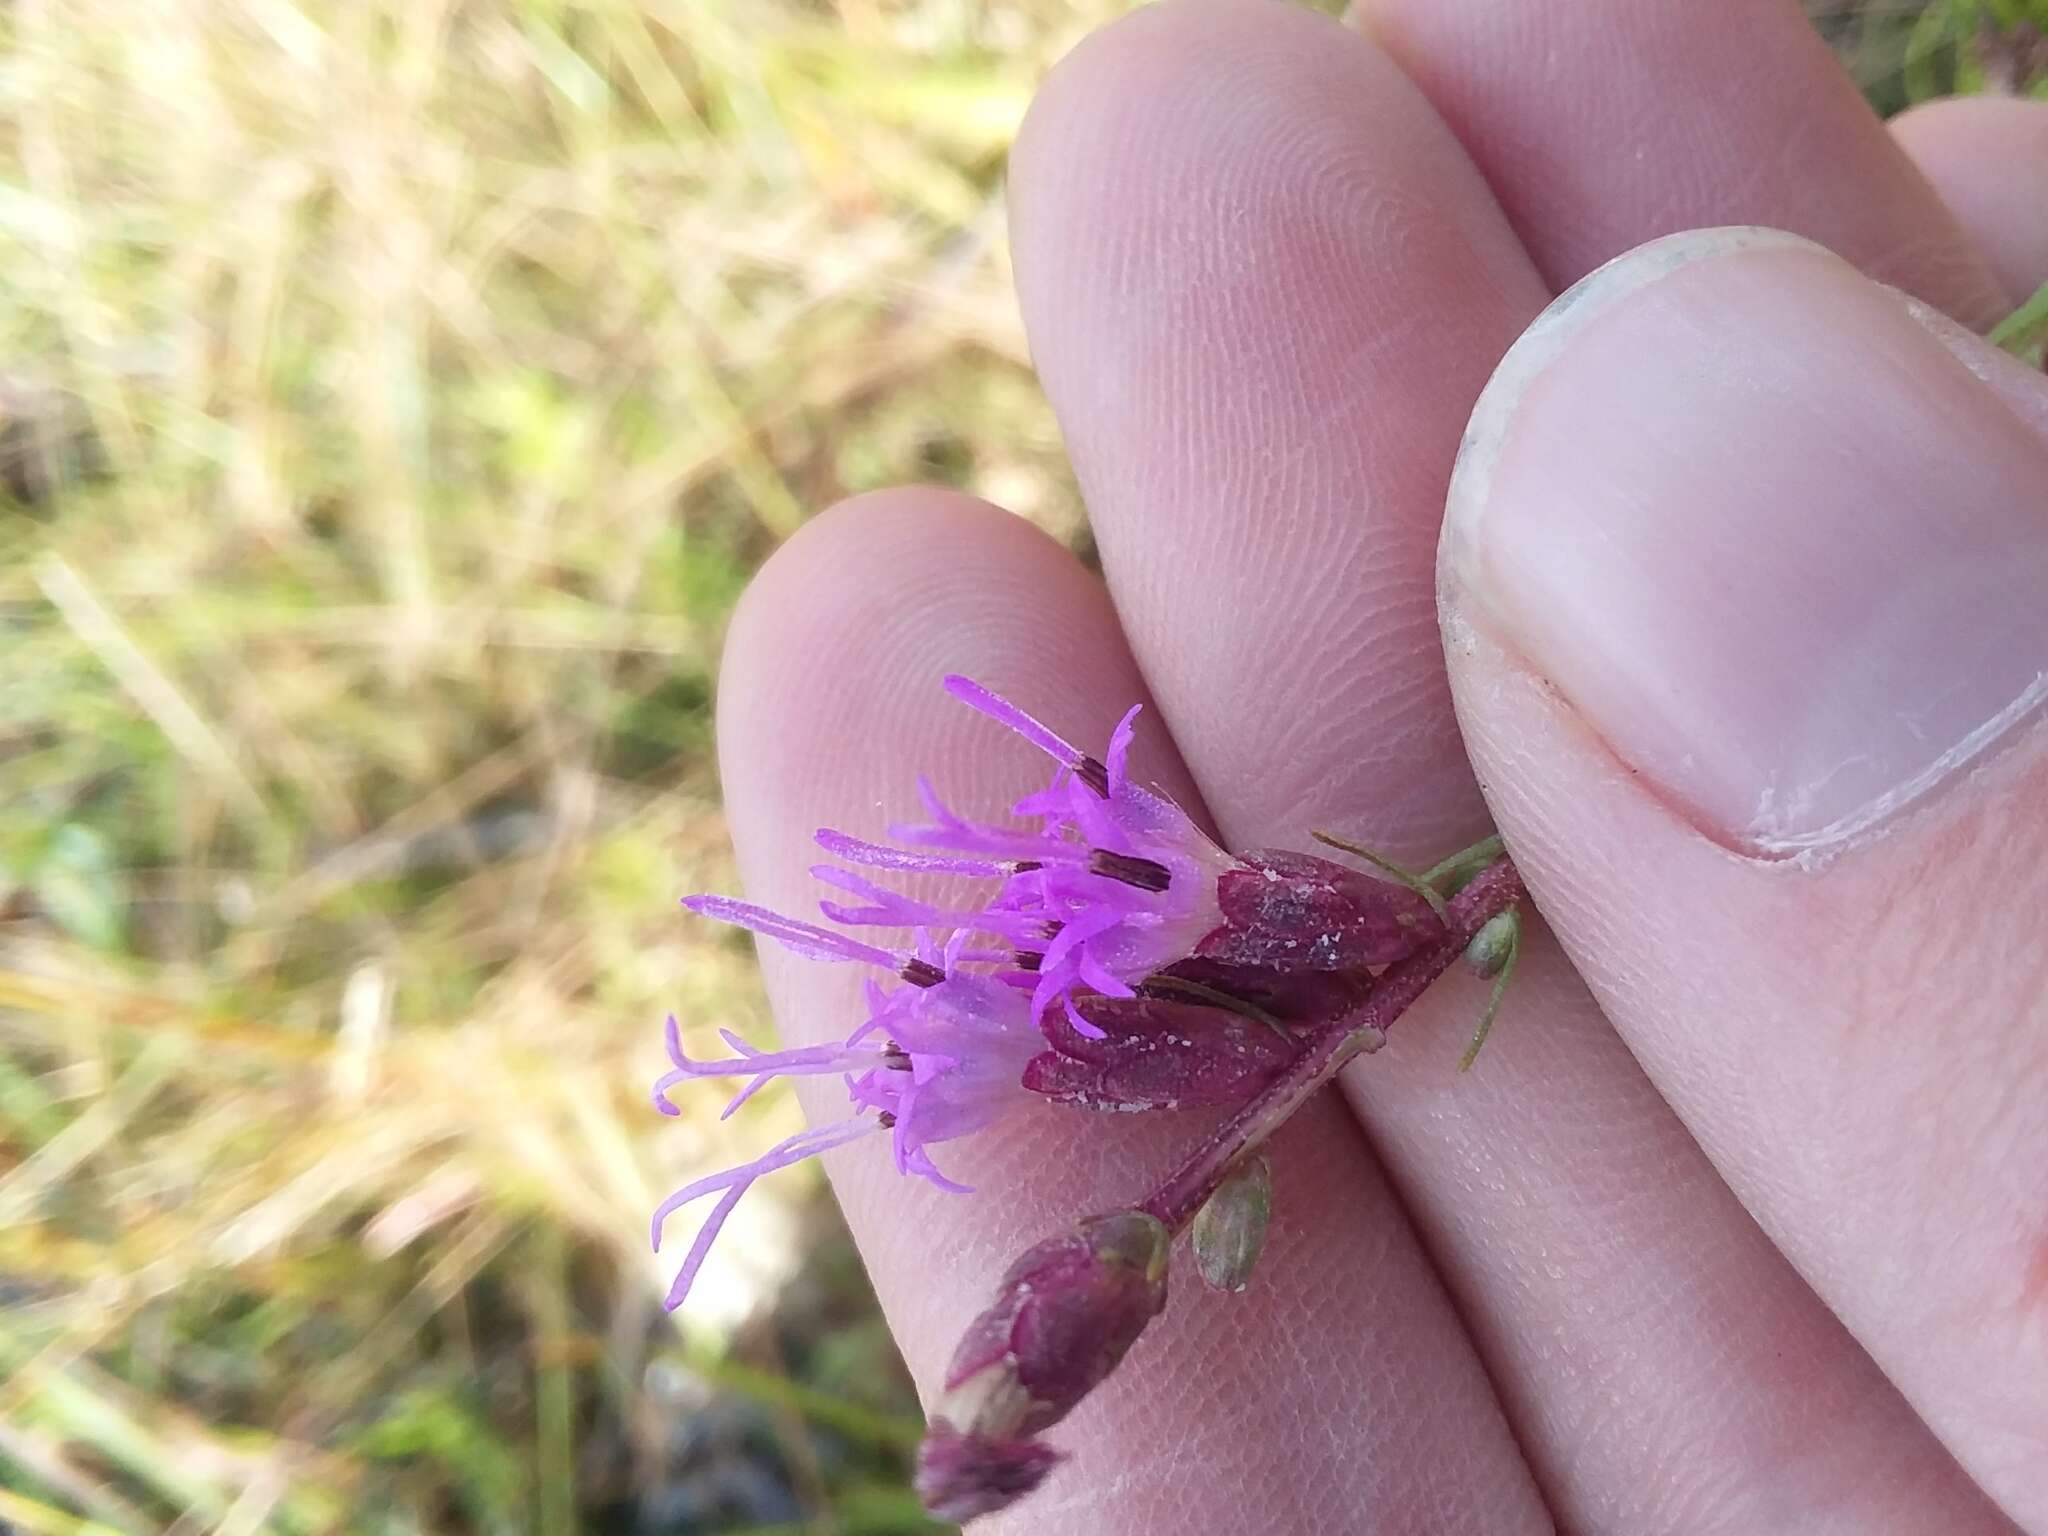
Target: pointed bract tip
(961,1477)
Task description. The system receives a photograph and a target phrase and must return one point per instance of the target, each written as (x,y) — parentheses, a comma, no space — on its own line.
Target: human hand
(1743,597)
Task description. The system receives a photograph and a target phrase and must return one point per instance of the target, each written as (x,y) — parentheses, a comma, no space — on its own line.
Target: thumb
(1745,587)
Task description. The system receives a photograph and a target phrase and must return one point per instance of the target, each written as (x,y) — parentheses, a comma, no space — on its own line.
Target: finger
(1987,156)
(1263,286)
(1742,578)
(1342,1383)
(1602,123)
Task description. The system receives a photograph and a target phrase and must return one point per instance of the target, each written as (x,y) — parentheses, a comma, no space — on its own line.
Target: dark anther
(1025,866)
(886,1120)
(1145,874)
(895,1058)
(1092,773)
(1030,959)
(921,973)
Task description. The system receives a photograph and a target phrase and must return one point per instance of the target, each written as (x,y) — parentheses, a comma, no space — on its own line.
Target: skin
(1986,155)
(1641,1271)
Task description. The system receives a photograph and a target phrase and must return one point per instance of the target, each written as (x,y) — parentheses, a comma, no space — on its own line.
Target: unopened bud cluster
(1063,1318)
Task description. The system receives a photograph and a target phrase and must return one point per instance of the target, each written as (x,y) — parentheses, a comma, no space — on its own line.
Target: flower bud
(960,1477)
(1492,945)
(1230,1228)
(1492,952)
(1064,1317)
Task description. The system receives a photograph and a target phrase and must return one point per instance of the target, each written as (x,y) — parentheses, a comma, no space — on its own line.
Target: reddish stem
(1364,1028)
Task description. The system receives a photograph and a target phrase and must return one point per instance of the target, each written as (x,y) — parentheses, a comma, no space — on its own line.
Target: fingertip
(897,588)
(838,573)
(1700,498)
(1847,1035)
(1987,157)
(1602,123)
(1535,352)
(1210,153)
(1108,84)
(1263,283)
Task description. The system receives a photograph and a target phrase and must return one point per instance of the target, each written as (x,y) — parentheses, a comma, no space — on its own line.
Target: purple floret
(1115,883)
(938,1057)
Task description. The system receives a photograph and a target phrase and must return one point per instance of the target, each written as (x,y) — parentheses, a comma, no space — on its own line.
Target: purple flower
(1108,884)
(938,1057)
(1117,883)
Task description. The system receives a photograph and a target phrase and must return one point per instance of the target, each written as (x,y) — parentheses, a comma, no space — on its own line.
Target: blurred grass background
(394,397)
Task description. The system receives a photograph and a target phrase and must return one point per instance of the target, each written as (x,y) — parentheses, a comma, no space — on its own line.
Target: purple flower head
(1116,882)
(938,1057)
(1105,884)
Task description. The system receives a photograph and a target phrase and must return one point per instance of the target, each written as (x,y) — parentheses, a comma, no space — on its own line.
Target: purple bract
(1065,1315)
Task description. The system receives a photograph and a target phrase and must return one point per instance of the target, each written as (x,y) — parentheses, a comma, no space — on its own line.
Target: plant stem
(1464,866)
(1364,1028)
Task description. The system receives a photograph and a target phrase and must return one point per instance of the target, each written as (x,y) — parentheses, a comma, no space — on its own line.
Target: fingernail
(1778,544)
